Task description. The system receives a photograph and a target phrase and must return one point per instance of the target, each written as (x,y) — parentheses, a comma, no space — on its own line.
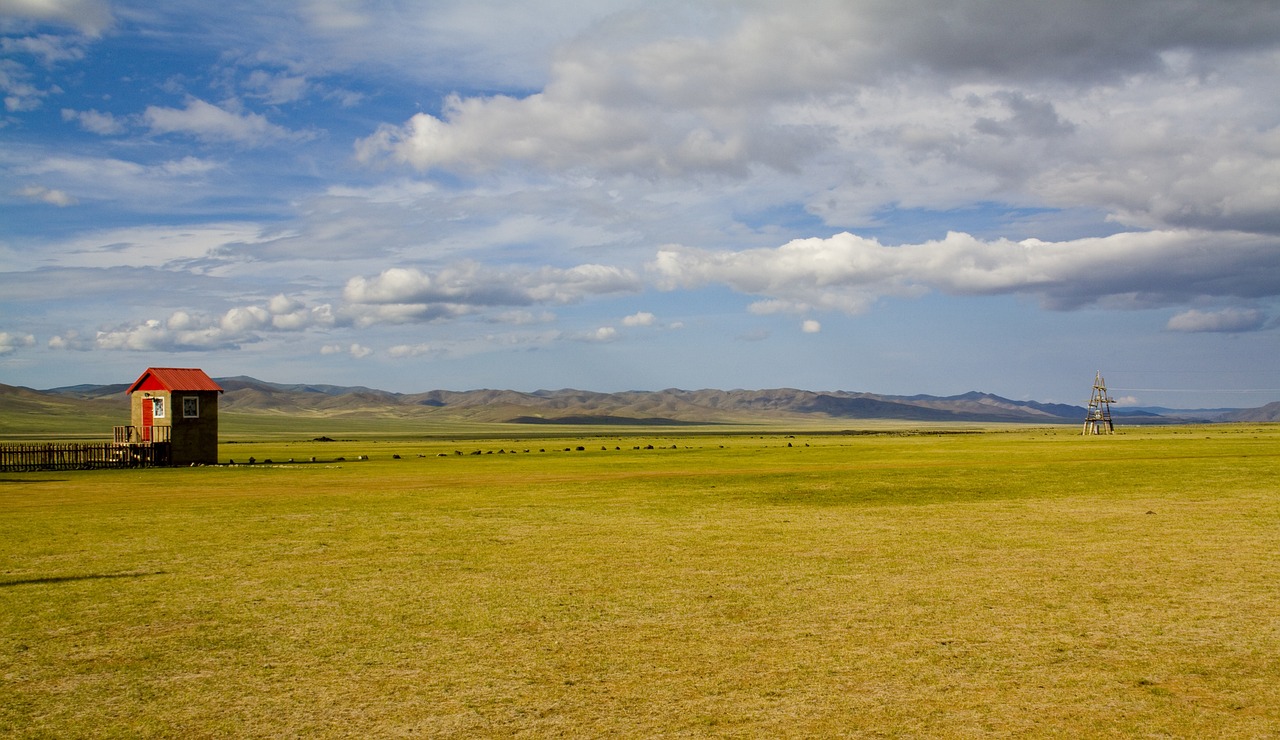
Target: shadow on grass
(33,480)
(66,579)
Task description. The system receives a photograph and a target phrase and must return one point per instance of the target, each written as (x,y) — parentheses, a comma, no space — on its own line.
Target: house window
(190,407)
(157,408)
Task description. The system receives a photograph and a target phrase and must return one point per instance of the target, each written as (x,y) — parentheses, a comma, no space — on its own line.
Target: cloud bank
(849,273)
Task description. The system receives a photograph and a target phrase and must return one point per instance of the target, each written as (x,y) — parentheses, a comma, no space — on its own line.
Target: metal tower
(1098,420)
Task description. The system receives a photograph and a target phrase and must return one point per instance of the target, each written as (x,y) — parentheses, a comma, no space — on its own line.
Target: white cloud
(19,94)
(185,331)
(848,273)
(400,295)
(11,342)
(1229,320)
(42,194)
(95,121)
(212,123)
(810,326)
(600,335)
(240,321)
(70,340)
(904,110)
(641,318)
(48,49)
(359,351)
(152,336)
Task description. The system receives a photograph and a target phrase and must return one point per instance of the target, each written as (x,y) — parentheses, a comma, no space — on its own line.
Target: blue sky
(897,197)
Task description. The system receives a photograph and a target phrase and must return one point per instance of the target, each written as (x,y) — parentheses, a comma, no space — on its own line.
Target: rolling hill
(253,397)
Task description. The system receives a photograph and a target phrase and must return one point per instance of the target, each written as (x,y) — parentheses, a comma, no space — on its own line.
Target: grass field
(1022,582)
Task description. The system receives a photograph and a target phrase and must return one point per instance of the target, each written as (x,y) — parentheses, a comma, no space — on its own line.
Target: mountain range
(246,395)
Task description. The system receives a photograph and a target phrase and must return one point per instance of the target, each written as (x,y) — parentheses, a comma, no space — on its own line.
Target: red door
(146,419)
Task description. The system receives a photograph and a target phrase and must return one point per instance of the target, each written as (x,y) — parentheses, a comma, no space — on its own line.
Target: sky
(891,196)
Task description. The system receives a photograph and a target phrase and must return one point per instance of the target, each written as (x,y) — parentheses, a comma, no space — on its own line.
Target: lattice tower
(1098,419)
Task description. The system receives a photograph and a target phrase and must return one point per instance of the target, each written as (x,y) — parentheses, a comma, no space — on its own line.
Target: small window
(190,407)
(157,408)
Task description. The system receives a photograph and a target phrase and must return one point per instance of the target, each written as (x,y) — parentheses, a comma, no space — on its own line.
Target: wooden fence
(143,435)
(81,456)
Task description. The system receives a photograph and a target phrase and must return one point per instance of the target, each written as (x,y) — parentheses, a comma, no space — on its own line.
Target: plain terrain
(1007,582)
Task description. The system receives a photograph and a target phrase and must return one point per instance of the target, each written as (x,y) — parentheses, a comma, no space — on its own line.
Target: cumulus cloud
(1085,108)
(1230,320)
(70,340)
(544,130)
(11,342)
(848,273)
(184,331)
(810,326)
(152,336)
(211,123)
(641,318)
(400,295)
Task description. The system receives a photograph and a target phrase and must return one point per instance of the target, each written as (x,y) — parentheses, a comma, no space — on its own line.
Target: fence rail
(143,435)
(79,456)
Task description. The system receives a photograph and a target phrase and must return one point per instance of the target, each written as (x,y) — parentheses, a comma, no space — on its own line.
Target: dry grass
(998,584)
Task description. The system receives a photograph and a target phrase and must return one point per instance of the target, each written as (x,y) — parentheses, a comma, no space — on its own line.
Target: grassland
(1014,583)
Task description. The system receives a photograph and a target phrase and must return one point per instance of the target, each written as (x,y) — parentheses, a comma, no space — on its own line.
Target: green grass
(1004,583)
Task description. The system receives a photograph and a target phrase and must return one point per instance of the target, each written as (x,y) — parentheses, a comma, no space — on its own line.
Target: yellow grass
(1008,584)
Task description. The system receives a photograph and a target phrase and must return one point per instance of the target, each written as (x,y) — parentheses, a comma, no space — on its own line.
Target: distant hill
(1270,412)
(27,412)
(251,396)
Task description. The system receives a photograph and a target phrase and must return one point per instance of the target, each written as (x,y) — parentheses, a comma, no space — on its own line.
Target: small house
(177,406)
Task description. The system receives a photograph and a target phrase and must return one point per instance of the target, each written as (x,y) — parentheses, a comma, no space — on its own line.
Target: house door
(147,411)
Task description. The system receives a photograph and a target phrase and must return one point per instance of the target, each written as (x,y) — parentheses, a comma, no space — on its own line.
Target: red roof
(174,379)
